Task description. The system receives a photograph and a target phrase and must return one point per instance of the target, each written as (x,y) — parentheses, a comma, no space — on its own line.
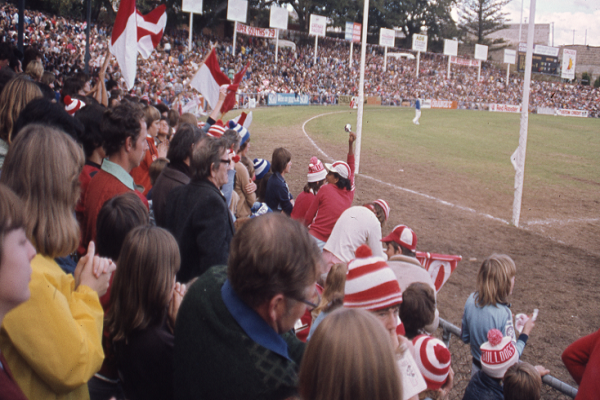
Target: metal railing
(449,329)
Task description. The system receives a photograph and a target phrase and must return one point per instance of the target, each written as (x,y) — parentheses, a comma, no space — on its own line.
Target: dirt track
(559,279)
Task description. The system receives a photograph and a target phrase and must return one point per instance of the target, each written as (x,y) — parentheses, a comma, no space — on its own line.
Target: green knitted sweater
(215,358)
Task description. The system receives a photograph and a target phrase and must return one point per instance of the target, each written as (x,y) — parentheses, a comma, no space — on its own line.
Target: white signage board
(481,52)
(419,42)
(540,49)
(568,64)
(318,25)
(193,6)
(510,56)
(450,47)
(386,37)
(237,10)
(279,17)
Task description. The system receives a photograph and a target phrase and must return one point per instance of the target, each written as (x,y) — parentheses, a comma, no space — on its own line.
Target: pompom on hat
(261,167)
(370,283)
(73,105)
(316,171)
(498,354)
(433,358)
(404,236)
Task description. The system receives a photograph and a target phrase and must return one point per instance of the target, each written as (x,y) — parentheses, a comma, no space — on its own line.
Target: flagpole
(234,37)
(191,29)
(276,44)
(361,87)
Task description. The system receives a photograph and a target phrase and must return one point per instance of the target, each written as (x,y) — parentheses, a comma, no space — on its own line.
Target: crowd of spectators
(211,298)
(167,75)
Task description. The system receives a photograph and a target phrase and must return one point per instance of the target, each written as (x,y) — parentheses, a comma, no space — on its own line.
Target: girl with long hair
(52,342)
(143,306)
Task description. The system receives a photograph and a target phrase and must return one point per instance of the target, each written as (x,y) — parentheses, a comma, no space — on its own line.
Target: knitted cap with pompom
(433,358)
(498,354)
(370,282)
(73,105)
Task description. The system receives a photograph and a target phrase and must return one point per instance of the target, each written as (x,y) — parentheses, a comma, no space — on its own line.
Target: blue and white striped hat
(242,132)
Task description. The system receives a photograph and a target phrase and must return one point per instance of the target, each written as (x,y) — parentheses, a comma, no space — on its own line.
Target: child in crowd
(488,307)
(333,295)
(497,355)
(350,357)
(523,381)
(278,196)
(262,171)
(431,355)
(143,307)
(316,178)
(16,253)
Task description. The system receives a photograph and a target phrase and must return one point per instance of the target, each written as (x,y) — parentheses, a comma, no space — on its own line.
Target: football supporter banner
(258,32)
(439,266)
(568,64)
(425,103)
(287,99)
(387,37)
(318,25)
(572,113)
(505,108)
(443,104)
(464,61)
(352,32)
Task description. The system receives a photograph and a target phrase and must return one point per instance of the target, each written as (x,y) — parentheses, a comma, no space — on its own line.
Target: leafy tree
(479,18)
(597,82)
(586,78)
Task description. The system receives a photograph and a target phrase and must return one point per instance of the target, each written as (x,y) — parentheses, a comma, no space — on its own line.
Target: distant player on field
(417,112)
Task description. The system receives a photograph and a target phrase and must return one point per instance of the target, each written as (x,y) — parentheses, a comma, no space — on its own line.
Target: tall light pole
(361,86)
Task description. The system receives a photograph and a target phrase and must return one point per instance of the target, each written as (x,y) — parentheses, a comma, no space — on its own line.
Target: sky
(567,15)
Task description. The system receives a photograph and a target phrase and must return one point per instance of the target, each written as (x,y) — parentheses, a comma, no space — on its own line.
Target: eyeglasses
(311,305)
(226,161)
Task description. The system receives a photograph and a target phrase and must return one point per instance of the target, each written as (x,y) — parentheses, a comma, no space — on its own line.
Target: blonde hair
(334,289)
(144,280)
(151,114)
(494,280)
(17,93)
(35,70)
(42,167)
(350,356)
(522,382)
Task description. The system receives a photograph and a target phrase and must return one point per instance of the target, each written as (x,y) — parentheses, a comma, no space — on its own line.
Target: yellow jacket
(52,342)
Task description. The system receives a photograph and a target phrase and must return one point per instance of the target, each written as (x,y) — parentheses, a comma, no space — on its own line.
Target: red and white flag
(439,266)
(210,78)
(133,33)
(150,29)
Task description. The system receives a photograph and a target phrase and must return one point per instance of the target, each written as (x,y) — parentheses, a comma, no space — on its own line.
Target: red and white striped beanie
(433,358)
(216,130)
(73,105)
(370,283)
(385,206)
(316,171)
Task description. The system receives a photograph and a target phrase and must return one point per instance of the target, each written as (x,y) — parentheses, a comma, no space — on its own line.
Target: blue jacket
(278,194)
(477,321)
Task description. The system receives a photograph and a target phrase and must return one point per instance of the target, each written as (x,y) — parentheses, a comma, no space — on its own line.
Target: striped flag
(439,266)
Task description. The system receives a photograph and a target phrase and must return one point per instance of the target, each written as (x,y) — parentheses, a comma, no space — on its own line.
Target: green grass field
(561,151)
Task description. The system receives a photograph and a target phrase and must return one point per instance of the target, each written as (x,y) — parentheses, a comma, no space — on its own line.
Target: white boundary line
(524,225)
